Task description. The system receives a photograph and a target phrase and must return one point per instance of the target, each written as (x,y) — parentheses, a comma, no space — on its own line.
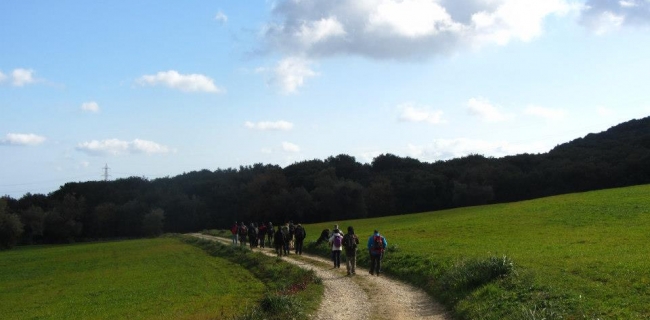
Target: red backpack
(377,243)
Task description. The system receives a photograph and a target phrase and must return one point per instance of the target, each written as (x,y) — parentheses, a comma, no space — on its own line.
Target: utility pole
(106,175)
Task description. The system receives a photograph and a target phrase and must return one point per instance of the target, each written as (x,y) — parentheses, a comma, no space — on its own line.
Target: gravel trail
(361,296)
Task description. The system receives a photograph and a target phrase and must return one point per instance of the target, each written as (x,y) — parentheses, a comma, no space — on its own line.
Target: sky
(158,88)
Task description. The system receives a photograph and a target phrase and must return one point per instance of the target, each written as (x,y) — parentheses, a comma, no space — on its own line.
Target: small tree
(152,223)
(10,227)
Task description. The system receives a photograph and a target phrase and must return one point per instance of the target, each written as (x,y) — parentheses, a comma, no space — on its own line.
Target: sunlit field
(136,279)
(577,255)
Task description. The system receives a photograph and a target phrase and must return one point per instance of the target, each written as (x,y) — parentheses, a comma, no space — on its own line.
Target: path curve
(347,297)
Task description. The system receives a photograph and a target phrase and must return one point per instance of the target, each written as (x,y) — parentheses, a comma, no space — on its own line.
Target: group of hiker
(285,238)
(349,242)
(291,236)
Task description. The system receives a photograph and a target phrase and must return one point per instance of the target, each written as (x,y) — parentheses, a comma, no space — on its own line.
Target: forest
(336,188)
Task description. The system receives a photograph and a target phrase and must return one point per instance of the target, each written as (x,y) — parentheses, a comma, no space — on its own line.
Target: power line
(106,175)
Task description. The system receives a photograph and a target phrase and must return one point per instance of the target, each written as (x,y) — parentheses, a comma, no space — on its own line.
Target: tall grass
(573,256)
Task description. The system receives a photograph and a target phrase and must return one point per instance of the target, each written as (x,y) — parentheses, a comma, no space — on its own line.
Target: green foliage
(291,291)
(574,256)
(152,223)
(10,230)
(135,279)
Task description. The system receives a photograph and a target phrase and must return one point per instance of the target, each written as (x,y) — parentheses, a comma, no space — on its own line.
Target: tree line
(336,188)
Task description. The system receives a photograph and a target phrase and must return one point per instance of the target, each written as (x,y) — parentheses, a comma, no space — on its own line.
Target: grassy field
(575,256)
(137,279)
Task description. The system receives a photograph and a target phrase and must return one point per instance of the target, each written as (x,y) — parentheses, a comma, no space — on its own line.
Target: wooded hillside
(336,188)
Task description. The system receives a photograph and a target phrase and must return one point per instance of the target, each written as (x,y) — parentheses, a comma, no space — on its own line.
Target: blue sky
(155,89)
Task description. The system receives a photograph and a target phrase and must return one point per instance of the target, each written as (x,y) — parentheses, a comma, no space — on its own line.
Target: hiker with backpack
(300,235)
(292,232)
(376,246)
(261,234)
(286,238)
(243,232)
(252,235)
(234,230)
(350,243)
(278,241)
(269,233)
(336,242)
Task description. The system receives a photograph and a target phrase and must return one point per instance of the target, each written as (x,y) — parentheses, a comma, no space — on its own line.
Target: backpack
(300,233)
(243,231)
(349,241)
(377,243)
(337,240)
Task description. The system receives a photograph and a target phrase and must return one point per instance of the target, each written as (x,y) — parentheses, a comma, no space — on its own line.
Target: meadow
(160,278)
(574,256)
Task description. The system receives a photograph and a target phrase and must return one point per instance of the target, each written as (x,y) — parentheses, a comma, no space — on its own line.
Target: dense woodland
(336,188)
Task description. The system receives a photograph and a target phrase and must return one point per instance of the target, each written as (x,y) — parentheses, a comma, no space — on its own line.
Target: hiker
(300,235)
(285,236)
(292,232)
(336,242)
(324,236)
(376,246)
(243,232)
(252,235)
(278,241)
(261,233)
(270,231)
(350,243)
(234,230)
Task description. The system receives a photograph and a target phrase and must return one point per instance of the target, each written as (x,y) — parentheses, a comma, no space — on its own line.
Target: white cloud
(269,125)
(3,77)
(183,82)
(221,17)
(91,106)
(290,147)
(22,77)
(291,73)
(486,111)
(413,113)
(22,139)
(117,147)
(607,16)
(546,113)
(404,29)
(604,111)
(445,149)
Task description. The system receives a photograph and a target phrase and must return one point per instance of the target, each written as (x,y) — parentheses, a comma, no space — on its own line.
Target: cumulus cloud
(22,139)
(546,113)
(183,82)
(118,147)
(3,77)
(403,29)
(445,149)
(290,147)
(291,74)
(221,17)
(603,16)
(91,106)
(485,110)
(269,125)
(21,77)
(414,113)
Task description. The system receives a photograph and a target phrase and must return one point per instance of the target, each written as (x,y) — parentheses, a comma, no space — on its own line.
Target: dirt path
(349,297)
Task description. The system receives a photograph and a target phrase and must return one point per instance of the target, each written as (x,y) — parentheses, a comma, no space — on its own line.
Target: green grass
(574,256)
(137,279)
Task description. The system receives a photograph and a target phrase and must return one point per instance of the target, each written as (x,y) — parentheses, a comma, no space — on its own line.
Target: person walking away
(278,241)
(270,232)
(292,233)
(235,233)
(243,232)
(350,243)
(287,239)
(336,242)
(376,246)
(300,235)
(252,235)
(261,234)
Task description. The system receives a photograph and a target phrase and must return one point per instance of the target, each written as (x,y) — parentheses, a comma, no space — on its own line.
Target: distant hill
(336,188)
